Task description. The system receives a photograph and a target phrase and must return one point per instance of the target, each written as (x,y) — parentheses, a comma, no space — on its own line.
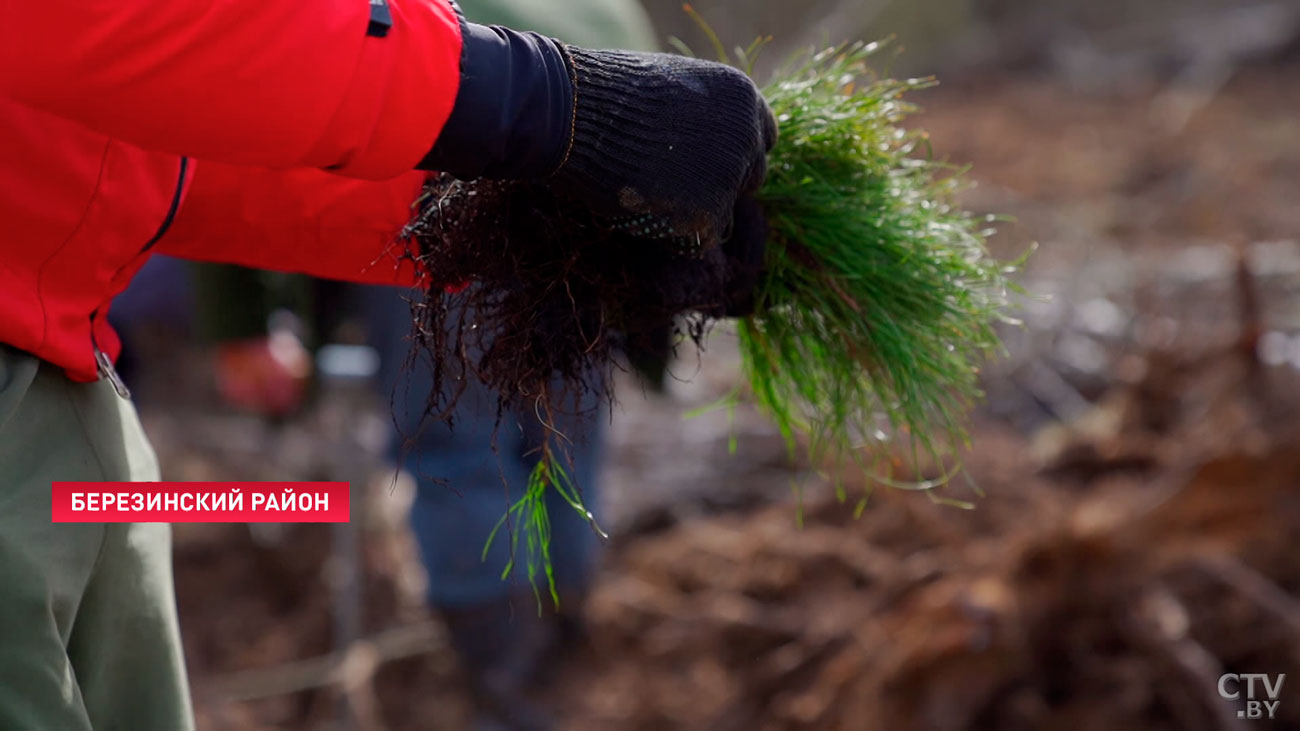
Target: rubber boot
(502,648)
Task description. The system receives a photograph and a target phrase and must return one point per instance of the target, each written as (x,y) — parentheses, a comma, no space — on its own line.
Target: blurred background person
(467,476)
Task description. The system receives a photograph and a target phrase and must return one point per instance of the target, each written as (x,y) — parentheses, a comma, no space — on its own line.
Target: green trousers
(88,631)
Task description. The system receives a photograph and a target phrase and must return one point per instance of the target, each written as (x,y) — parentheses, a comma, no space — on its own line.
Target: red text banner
(200,502)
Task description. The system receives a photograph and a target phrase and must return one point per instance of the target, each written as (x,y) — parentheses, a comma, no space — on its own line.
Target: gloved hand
(662,145)
(665,144)
(744,251)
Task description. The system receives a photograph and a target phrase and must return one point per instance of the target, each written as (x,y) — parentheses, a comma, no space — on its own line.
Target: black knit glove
(744,251)
(661,145)
(665,145)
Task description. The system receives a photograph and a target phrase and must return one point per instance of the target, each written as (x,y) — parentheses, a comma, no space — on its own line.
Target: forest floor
(1138,460)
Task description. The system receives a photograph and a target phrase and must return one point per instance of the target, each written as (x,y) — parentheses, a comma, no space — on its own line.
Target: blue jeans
(469,476)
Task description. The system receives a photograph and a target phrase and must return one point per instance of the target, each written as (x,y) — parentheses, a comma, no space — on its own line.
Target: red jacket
(199,128)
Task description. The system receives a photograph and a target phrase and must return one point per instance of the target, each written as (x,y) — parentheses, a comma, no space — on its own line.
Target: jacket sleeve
(303,221)
(273,83)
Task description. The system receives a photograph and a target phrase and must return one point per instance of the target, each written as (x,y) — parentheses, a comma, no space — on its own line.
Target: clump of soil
(529,293)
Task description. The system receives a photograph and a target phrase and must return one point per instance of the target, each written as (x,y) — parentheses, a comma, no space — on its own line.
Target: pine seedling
(877,304)
(880,299)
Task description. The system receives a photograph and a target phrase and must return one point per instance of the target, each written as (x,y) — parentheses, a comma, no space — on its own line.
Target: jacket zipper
(102,361)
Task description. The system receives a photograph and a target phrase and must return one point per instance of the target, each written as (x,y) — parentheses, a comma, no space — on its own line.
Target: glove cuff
(513,116)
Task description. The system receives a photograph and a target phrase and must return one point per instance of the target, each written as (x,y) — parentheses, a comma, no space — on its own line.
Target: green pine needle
(879,300)
(528,518)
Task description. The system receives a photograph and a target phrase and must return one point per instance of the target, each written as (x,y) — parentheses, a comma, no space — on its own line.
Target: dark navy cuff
(513,116)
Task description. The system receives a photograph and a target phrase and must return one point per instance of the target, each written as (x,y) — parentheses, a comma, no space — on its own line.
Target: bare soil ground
(1137,536)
